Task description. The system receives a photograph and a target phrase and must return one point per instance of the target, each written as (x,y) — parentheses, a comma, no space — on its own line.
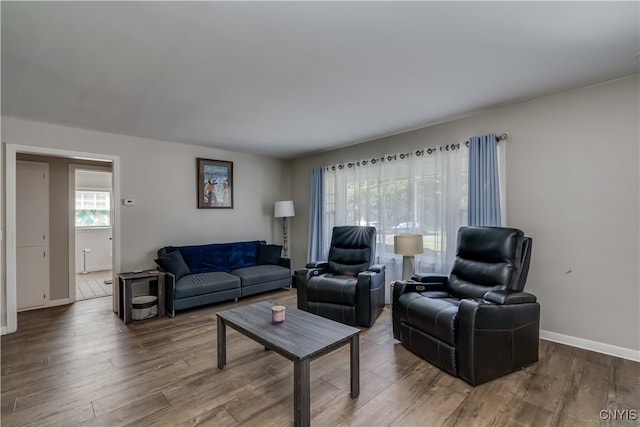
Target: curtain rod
(501,137)
(390,157)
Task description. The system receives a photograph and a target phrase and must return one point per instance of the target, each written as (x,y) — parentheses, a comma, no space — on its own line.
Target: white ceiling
(286,79)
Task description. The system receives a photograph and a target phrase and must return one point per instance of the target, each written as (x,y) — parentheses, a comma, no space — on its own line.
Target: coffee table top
(301,336)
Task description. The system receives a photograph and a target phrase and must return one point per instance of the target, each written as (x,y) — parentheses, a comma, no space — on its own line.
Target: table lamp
(407,245)
(284,209)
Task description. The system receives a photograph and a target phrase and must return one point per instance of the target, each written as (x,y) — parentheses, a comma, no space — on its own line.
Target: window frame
(109,207)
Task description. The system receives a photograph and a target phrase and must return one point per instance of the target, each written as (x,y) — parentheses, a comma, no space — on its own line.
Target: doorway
(93,233)
(60,292)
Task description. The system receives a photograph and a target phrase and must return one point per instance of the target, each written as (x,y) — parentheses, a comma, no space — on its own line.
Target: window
(93,209)
(423,193)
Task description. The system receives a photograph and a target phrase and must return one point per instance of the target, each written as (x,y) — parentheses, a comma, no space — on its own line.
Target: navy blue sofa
(206,274)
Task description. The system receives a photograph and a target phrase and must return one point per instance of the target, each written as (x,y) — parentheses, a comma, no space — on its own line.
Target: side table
(125,283)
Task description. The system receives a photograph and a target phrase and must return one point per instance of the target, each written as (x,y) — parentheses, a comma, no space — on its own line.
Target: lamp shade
(407,244)
(284,208)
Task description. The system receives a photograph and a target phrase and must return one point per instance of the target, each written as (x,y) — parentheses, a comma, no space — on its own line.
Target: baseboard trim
(57,302)
(612,350)
(3,330)
(95,268)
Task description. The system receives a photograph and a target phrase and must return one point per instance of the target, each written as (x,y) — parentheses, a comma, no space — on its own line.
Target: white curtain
(423,192)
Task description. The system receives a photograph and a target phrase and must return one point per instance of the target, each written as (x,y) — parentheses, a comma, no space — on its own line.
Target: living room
(572,179)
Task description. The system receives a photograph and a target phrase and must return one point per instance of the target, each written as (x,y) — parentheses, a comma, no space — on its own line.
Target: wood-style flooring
(91,285)
(79,365)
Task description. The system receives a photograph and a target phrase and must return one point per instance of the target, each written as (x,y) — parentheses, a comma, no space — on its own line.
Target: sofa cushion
(174,264)
(261,274)
(268,254)
(205,283)
(218,256)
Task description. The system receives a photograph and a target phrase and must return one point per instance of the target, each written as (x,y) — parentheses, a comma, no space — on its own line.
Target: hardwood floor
(91,285)
(79,365)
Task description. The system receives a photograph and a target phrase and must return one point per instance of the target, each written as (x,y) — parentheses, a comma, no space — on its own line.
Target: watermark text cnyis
(619,414)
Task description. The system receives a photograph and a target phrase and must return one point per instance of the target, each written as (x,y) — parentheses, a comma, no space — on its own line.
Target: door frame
(72,224)
(10,216)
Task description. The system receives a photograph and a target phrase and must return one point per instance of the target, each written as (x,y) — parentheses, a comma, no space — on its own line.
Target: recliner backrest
(352,249)
(489,258)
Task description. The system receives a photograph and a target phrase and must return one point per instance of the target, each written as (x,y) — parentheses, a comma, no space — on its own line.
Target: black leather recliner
(346,288)
(477,323)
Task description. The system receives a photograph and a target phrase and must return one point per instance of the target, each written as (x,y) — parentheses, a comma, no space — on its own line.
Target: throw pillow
(173,263)
(268,254)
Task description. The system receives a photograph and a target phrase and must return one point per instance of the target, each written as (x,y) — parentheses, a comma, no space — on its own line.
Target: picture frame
(214,184)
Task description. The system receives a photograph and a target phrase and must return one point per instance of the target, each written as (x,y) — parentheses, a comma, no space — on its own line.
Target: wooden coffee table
(300,338)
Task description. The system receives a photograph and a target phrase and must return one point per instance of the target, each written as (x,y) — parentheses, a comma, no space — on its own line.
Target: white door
(32,234)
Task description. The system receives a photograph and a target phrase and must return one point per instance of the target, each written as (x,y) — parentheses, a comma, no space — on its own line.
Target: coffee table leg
(355,366)
(302,393)
(222,343)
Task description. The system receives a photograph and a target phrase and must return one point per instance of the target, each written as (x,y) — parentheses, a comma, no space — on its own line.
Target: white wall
(161,177)
(572,184)
(99,245)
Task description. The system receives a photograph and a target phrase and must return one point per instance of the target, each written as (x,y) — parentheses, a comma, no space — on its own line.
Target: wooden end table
(125,283)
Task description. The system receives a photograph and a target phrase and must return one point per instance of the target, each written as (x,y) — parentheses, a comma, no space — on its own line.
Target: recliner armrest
(430,278)
(405,286)
(305,274)
(370,295)
(378,268)
(317,264)
(302,278)
(508,332)
(504,297)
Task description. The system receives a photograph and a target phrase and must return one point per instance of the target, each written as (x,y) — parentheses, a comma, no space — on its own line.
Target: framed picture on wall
(215,184)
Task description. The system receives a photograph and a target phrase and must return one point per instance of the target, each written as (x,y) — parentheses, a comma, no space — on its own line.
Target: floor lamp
(407,245)
(284,209)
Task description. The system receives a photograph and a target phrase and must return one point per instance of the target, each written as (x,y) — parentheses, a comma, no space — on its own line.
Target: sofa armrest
(503,297)
(285,262)
(169,292)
